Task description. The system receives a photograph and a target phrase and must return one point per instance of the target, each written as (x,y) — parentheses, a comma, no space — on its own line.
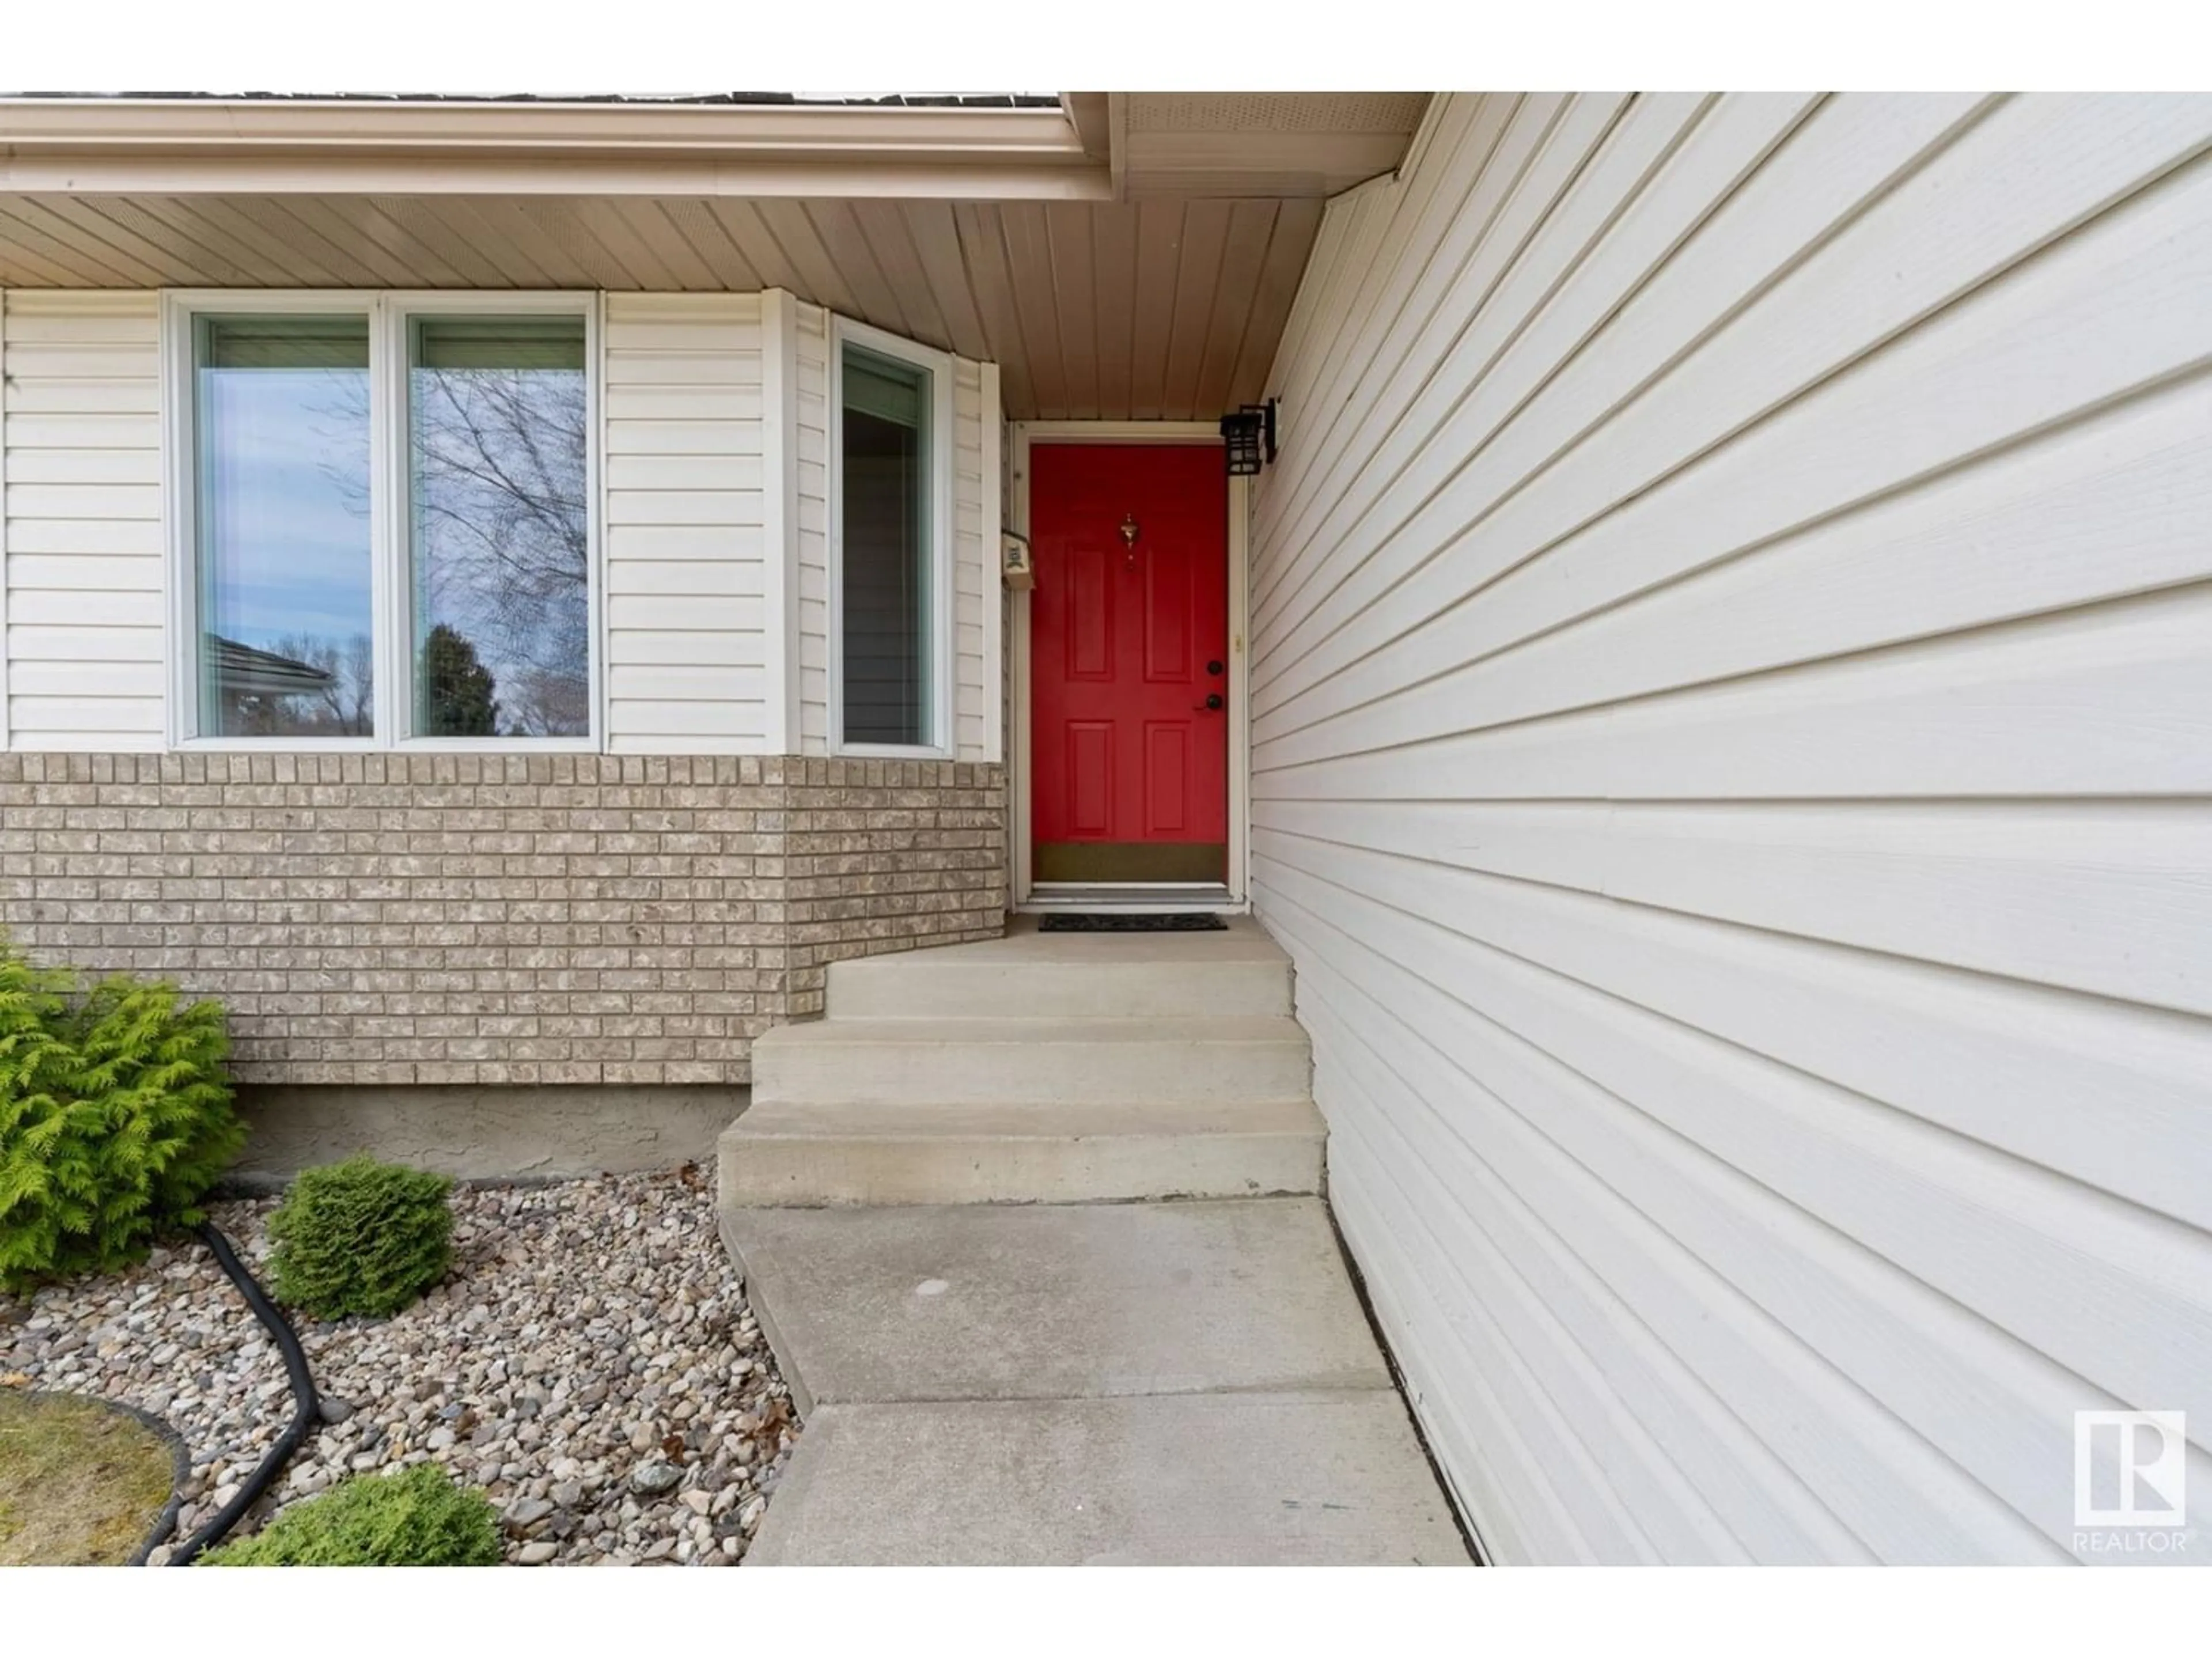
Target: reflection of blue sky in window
(283,485)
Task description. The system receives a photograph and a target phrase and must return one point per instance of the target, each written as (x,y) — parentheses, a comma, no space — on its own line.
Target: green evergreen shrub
(361,1237)
(115,1118)
(415,1518)
(458,698)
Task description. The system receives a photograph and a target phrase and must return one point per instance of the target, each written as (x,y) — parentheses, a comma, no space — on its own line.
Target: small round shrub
(115,1118)
(361,1237)
(415,1518)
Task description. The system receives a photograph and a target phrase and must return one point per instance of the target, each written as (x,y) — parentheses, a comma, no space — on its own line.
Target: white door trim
(1028,432)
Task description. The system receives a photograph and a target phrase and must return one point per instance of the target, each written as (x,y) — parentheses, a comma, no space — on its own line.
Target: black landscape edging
(306,1404)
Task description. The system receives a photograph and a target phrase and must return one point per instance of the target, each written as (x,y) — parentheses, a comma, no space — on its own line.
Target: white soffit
(1261,144)
(1166,309)
(993,232)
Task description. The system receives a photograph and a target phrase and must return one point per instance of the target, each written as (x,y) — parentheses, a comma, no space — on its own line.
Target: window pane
(281,440)
(500,542)
(885,532)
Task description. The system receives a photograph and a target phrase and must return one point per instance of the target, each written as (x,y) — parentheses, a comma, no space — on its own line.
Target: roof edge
(195,145)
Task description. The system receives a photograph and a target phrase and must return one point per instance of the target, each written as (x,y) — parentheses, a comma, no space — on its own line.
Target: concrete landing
(1237,971)
(1218,1480)
(986,1302)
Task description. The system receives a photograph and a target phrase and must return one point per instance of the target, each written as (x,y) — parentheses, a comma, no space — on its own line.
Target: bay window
(389,535)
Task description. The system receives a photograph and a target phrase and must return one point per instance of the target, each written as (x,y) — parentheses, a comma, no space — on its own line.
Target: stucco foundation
(479,1134)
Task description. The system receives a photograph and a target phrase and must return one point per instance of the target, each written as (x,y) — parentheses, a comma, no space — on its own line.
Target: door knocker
(1129,537)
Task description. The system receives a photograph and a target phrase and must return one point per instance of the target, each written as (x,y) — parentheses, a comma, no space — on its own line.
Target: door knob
(1212,700)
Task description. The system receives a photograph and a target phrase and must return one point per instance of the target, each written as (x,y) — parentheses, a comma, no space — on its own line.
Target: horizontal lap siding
(1732,643)
(83,434)
(687,646)
(686,524)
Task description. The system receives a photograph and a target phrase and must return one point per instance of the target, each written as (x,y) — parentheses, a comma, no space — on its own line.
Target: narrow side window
(282,602)
(887,575)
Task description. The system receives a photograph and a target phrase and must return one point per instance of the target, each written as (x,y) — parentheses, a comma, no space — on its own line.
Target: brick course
(495,919)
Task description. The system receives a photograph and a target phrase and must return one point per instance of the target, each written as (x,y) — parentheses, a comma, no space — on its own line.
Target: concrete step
(886,1062)
(1240,971)
(986,1302)
(1231,1479)
(786,1153)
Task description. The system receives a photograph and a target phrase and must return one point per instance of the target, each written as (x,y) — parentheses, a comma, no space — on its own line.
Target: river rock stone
(590,1355)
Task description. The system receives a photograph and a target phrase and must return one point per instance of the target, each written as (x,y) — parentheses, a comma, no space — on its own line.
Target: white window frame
(943,565)
(388,313)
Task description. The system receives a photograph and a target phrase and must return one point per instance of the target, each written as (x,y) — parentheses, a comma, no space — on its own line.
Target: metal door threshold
(1115,897)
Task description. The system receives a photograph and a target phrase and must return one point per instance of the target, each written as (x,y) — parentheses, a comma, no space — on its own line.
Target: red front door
(1128,663)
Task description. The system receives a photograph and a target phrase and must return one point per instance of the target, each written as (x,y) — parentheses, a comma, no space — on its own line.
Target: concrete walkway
(1123,1380)
(1071,1383)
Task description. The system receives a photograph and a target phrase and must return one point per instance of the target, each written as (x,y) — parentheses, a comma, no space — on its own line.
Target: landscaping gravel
(590,1363)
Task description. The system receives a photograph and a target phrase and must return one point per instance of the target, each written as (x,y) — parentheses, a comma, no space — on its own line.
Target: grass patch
(81,1485)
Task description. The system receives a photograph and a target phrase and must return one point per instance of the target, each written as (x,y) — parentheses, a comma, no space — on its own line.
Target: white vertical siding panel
(690,634)
(1729,729)
(84,578)
(975,574)
(993,596)
(813,349)
(780,519)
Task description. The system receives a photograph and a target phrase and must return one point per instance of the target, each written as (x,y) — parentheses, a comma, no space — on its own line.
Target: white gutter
(190,146)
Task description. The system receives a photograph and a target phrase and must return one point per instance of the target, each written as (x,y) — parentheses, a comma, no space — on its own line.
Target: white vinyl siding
(83,437)
(975,579)
(687,648)
(810,327)
(698,477)
(1732,657)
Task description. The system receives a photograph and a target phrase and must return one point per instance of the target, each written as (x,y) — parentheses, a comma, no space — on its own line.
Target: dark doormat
(1161,922)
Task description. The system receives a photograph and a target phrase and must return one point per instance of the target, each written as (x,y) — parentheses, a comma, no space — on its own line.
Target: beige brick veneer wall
(495,919)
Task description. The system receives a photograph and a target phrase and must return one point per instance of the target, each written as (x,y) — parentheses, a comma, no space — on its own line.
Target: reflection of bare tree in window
(499,486)
(345,704)
(503,546)
(545,702)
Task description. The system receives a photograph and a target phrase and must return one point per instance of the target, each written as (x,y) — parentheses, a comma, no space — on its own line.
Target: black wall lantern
(1248,438)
